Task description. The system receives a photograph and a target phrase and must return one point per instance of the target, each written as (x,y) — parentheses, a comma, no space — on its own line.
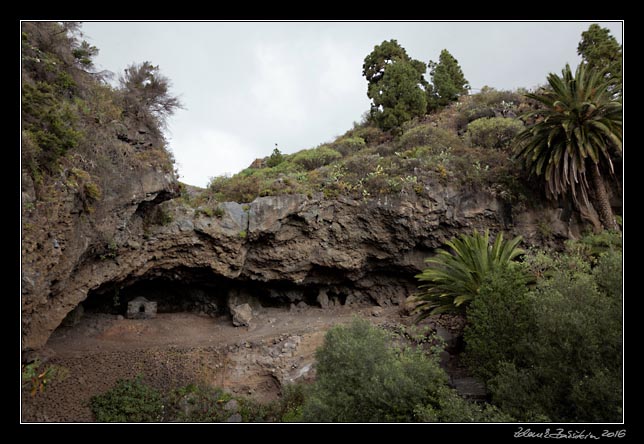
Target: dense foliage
(135,401)
(453,278)
(128,401)
(553,352)
(396,85)
(493,132)
(362,376)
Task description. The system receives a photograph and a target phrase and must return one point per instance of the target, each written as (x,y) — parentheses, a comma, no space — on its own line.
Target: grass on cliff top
(465,144)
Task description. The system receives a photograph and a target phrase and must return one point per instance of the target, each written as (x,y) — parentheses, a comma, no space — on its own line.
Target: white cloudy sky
(249,85)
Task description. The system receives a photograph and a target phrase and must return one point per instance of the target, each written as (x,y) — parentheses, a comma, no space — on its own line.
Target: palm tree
(454,278)
(574,137)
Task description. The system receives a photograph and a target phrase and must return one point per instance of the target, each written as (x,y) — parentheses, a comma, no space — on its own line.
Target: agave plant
(453,278)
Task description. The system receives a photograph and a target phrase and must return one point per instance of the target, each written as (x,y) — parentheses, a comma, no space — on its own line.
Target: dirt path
(175,349)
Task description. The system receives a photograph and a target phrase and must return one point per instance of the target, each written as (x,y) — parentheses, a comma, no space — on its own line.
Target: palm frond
(581,126)
(453,278)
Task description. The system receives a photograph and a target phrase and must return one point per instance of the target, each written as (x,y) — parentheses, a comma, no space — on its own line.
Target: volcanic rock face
(336,251)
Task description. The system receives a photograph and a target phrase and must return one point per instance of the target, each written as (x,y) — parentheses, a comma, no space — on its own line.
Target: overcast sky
(247,86)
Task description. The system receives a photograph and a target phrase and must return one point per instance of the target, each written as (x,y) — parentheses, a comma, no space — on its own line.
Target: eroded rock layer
(293,247)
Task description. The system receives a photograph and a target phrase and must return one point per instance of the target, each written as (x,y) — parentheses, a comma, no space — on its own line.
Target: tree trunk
(588,213)
(602,204)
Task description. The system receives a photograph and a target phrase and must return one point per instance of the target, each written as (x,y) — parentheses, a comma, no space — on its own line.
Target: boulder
(232,406)
(235,418)
(323,299)
(242,315)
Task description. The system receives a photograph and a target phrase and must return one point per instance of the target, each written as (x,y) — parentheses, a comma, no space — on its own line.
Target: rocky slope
(283,249)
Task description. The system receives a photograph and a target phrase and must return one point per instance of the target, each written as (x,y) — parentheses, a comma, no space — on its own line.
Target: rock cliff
(292,247)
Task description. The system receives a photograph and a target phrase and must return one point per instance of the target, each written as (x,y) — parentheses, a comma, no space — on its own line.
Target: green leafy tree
(453,279)
(601,51)
(578,129)
(383,55)
(396,86)
(448,80)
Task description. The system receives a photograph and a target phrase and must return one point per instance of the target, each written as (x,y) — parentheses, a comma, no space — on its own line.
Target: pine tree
(448,80)
(601,51)
(397,88)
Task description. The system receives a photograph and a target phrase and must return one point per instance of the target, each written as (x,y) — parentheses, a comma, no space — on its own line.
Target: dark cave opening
(200,291)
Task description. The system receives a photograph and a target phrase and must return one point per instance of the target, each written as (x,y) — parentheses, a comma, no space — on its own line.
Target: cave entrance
(146,297)
(193,291)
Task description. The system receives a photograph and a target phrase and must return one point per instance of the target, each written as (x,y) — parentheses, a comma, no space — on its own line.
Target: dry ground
(175,349)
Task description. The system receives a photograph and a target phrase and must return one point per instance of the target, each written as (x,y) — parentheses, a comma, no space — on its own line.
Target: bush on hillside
(493,132)
(560,358)
(500,323)
(438,139)
(349,145)
(128,401)
(316,157)
(370,134)
(363,377)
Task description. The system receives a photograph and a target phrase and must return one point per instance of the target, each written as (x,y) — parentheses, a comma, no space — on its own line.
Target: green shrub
(38,377)
(572,369)
(242,187)
(452,408)
(493,132)
(275,159)
(198,403)
(316,157)
(92,191)
(195,403)
(128,401)
(370,134)
(437,139)
(50,121)
(289,406)
(349,145)
(592,246)
(608,274)
(206,211)
(500,323)
(164,217)
(363,377)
